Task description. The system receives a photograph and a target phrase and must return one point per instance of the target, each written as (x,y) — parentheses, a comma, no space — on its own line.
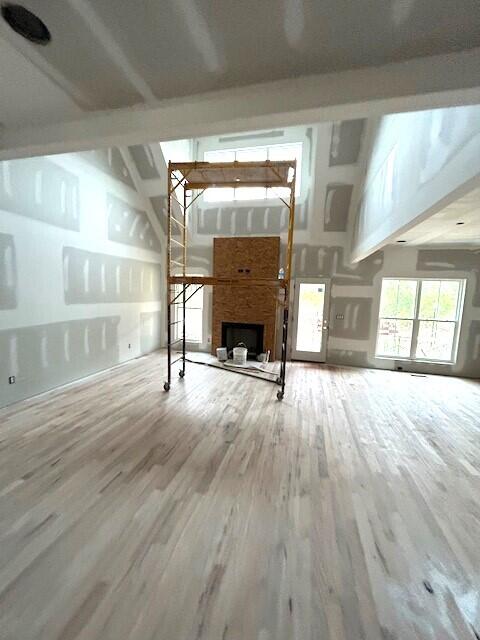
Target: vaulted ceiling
(111,54)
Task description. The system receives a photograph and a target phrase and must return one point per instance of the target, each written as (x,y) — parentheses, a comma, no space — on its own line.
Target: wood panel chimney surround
(246,258)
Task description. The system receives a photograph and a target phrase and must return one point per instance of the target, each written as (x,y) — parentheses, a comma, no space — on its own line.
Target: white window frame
(416,321)
(235,150)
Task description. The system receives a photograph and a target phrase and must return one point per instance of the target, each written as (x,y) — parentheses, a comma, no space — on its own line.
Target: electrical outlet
(11,380)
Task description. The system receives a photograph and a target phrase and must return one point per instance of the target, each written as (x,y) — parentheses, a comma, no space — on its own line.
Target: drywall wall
(80,274)
(145,162)
(420,162)
(8,272)
(352,340)
(332,166)
(326,204)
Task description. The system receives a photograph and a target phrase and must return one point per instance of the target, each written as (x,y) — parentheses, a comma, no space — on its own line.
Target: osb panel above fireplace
(248,258)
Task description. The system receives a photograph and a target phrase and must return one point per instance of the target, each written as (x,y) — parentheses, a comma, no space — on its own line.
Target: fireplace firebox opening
(250,334)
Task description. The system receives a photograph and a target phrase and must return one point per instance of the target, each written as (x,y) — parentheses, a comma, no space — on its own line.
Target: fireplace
(248,333)
(251,306)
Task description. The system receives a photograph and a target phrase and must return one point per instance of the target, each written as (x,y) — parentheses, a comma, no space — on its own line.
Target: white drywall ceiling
(27,94)
(107,55)
(423,83)
(443,228)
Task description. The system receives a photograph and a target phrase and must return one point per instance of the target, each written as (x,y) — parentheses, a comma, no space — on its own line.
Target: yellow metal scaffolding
(187,181)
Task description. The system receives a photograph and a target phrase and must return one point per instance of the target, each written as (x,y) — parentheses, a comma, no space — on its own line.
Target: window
(193,315)
(420,319)
(291,151)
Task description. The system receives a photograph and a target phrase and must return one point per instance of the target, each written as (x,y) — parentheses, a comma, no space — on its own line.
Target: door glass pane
(311,299)
(394,337)
(398,298)
(435,340)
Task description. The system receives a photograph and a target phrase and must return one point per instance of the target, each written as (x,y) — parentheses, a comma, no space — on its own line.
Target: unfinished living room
(239,321)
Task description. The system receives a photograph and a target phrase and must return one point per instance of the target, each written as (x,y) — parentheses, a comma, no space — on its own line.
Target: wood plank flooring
(350,511)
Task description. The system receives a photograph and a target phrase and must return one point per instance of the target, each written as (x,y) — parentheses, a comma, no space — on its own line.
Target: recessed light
(460,223)
(26,23)
(401,241)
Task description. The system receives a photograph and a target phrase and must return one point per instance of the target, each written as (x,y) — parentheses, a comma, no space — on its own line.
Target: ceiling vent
(26,23)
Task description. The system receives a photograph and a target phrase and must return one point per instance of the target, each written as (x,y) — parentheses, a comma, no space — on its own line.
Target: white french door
(310,321)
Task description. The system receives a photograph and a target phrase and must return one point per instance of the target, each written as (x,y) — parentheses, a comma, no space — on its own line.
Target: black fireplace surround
(250,334)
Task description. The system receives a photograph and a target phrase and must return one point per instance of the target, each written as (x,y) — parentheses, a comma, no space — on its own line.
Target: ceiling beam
(200,34)
(422,83)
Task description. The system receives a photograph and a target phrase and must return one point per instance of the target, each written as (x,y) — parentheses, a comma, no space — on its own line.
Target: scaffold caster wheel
(279,395)
(166,386)
(181,373)
(278,380)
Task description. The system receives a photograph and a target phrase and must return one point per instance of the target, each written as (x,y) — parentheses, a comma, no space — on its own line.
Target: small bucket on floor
(222,354)
(240,354)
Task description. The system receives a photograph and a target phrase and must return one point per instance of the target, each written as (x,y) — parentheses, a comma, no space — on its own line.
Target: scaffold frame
(187,181)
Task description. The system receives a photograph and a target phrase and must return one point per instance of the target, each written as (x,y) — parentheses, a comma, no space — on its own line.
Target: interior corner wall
(80,276)
(352,339)
(334,160)
(332,164)
(420,162)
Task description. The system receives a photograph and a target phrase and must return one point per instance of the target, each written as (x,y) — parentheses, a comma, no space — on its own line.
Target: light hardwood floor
(349,511)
